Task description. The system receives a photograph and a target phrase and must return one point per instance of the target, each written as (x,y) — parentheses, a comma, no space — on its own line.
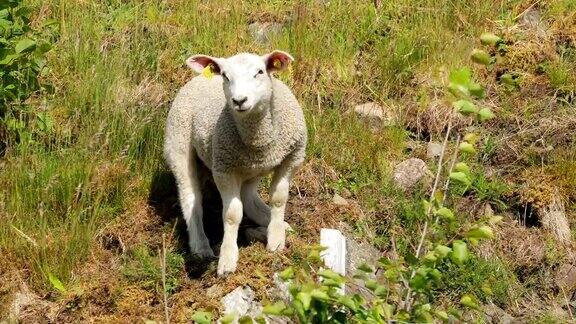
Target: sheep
(242,123)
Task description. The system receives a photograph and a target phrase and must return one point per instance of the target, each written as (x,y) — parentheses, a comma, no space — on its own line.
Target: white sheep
(242,123)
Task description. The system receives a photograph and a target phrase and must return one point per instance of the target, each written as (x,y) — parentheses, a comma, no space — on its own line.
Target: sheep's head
(247,80)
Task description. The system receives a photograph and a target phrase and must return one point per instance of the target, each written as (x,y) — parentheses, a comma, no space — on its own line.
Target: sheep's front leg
(229,187)
(278,197)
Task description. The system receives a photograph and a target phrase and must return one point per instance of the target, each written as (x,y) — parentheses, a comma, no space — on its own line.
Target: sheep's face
(247,80)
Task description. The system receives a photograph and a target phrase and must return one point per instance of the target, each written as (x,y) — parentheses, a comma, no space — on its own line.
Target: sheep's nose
(240,101)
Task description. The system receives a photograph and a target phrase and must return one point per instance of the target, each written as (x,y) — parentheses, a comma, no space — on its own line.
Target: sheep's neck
(256,130)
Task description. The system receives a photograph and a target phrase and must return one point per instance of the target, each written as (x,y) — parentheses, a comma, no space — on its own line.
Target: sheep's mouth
(242,109)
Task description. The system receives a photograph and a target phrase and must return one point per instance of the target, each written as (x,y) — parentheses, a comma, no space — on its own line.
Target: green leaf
(476,90)
(371,284)
(459,253)
(380,291)
(348,302)
(430,256)
(460,177)
(365,267)
(435,274)
(245,320)
(305,298)
(466,147)
(489,39)
(495,220)
(329,274)
(465,107)
(485,114)
(445,213)
(487,290)
(287,274)
(460,77)
(388,311)
(508,79)
(25,44)
(201,317)
(471,138)
(56,283)
(482,232)
(319,294)
(462,167)
(442,250)
(228,318)
(468,301)
(274,309)
(441,315)
(480,57)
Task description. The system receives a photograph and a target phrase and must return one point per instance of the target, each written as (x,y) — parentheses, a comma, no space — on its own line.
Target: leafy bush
(22,50)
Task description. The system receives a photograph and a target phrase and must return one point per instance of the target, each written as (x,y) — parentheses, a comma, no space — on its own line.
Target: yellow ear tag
(277,64)
(207,72)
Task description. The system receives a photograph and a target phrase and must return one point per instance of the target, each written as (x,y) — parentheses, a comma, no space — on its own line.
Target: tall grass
(118,63)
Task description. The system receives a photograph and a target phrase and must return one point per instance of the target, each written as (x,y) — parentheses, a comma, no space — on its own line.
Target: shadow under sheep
(163,198)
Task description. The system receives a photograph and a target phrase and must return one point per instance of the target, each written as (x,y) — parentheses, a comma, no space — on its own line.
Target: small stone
(409,173)
(495,314)
(339,200)
(488,211)
(214,291)
(434,150)
(531,20)
(242,302)
(346,193)
(553,218)
(262,32)
(566,278)
(280,289)
(372,113)
(357,254)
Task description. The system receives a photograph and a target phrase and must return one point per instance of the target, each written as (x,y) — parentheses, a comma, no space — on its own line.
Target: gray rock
(434,150)
(214,291)
(531,20)
(262,32)
(372,113)
(339,200)
(356,254)
(409,173)
(497,315)
(280,289)
(553,218)
(242,302)
(566,278)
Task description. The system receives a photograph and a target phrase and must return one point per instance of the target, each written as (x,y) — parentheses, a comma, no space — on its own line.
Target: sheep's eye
(224,76)
(259,72)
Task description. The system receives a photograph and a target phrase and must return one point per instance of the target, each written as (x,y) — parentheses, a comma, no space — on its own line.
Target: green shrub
(22,50)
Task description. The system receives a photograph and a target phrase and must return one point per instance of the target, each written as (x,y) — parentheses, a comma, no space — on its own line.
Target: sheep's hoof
(276,237)
(228,261)
(201,250)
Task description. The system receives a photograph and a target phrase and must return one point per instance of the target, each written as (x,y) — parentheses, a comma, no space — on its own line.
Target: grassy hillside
(89,202)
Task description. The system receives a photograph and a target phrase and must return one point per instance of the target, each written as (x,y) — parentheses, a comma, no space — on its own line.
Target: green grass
(117,64)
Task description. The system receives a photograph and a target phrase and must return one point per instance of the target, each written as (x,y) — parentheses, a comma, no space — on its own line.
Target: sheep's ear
(198,62)
(277,61)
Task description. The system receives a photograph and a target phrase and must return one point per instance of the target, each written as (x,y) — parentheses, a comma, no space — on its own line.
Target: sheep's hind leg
(255,208)
(185,169)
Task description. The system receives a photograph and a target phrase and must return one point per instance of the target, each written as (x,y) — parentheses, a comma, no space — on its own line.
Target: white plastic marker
(334,256)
